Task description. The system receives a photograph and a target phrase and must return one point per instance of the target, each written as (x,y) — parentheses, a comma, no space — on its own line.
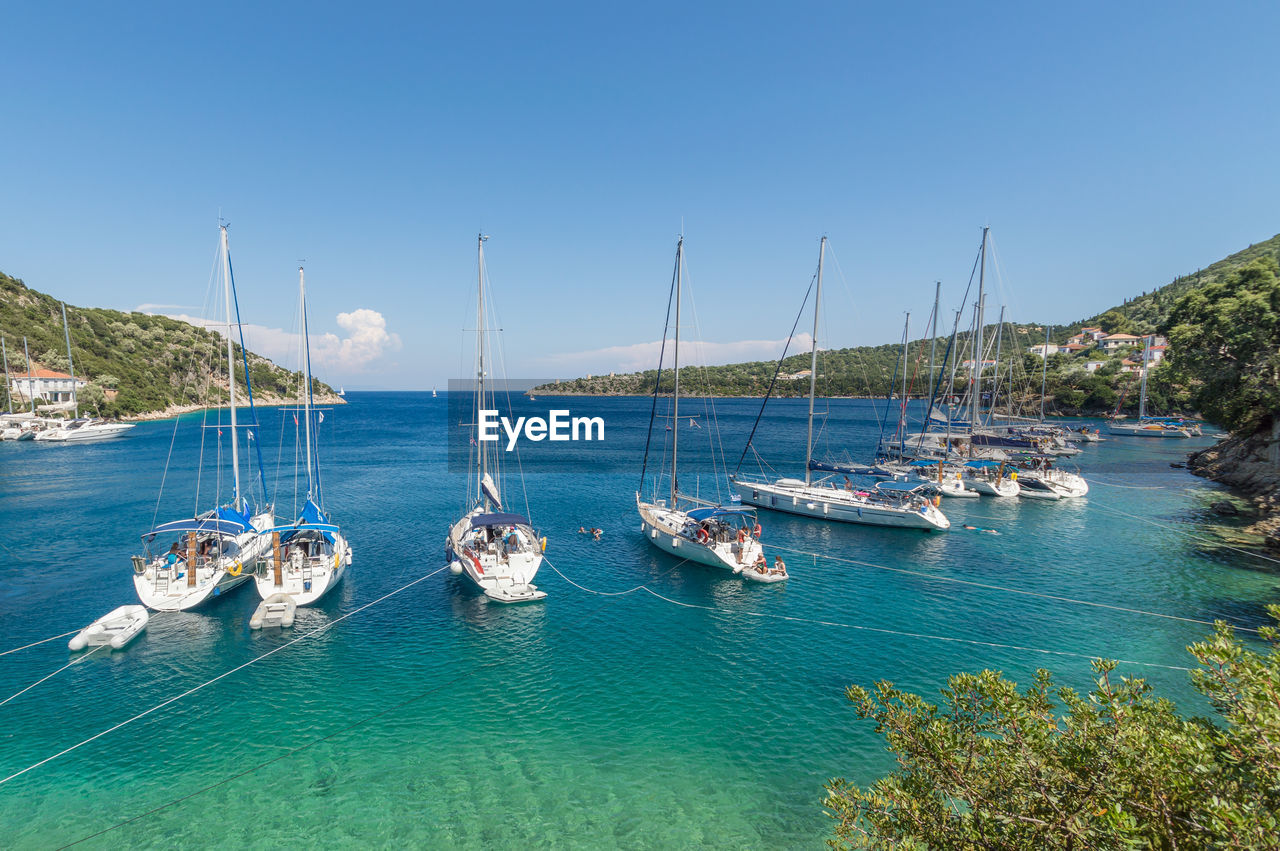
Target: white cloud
(366,340)
(641,356)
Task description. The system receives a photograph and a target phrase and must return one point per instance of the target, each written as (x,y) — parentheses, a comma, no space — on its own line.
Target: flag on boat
(321,417)
(248,433)
(295,419)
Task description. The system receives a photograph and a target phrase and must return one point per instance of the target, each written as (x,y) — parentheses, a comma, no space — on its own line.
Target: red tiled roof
(39,373)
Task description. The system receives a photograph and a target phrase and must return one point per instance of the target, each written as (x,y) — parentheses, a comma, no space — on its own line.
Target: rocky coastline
(1250,466)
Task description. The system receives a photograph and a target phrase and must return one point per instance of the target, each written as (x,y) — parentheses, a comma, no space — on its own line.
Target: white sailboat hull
(1002,488)
(502,574)
(827,503)
(667,529)
(169,588)
(306,580)
(1135,430)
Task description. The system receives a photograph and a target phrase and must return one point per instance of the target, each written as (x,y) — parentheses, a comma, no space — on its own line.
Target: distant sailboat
(341,391)
(433,392)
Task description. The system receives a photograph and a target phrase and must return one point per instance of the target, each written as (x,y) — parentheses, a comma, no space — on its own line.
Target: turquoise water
(436,718)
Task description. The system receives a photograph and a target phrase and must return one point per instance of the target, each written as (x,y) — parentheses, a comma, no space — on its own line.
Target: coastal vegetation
(993,766)
(1087,381)
(134,363)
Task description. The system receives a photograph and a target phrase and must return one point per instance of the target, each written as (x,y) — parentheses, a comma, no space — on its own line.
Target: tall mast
(1044,371)
(995,381)
(902,409)
(306,342)
(8,385)
(31,391)
(977,349)
(70,365)
(484,457)
(933,337)
(675,398)
(813,363)
(1142,399)
(231,366)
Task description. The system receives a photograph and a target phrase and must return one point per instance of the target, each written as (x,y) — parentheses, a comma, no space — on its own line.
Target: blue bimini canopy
(926,462)
(197,524)
(701,514)
(901,487)
(499,520)
(982,464)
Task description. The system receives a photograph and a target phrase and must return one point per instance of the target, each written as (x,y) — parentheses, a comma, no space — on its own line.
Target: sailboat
(897,503)
(1146,426)
(496,549)
(214,552)
(341,390)
(308,558)
(684,526)
(78,429)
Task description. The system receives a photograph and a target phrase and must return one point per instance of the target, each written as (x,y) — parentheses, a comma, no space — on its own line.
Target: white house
(44,384)
(1095,365)
(1043,349)
(1111,342)
(1096,333)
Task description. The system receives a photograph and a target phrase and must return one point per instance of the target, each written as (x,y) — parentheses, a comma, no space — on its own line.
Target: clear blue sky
(1110,147)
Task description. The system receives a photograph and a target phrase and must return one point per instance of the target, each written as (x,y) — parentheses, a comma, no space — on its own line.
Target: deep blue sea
(711,715)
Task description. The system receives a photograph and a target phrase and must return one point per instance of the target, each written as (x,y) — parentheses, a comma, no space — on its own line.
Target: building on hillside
(796,376)
(1081,339)
(1111,342)
(1157,354)
(967,366)
(44,384)
(1072,348)
(1095,334)
(1043,349)
(1130,365)
(1095,365)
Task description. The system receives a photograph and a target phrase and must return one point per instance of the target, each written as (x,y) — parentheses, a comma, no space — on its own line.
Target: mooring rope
(41,641)
(224,675)
(49,676)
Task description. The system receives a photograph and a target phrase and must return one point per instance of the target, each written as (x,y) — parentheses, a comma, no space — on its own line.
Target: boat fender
(235,569)
(937,500)
(543,543)
(455,567)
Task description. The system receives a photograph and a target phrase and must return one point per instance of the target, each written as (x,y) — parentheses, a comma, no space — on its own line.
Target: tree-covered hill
(135,363)
(1087,381)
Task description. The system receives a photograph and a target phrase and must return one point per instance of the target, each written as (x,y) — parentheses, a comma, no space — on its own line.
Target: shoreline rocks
(1250,465)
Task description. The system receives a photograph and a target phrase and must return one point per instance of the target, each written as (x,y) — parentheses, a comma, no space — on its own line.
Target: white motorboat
(276,610)
(80,429)
(216,551)
(497,550)
(1065,484)
(116,629)
(896,507)
(307,559)
(687,527)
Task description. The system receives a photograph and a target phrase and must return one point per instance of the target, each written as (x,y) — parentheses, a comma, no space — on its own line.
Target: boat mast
(813,364)
(1044,371)
(977,349)
(306,342)
(902,409)
(484,458)
(8,385)
(675,397)
(933,340)
(31,393)
(70,365)
(995,381)
(1142,399)
(231,367)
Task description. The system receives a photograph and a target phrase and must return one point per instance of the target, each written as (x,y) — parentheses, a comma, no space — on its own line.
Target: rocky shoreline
(1249,465)
(267,402)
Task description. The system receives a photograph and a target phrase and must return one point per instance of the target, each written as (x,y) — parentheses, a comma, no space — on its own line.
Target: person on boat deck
(742,544)
(513,541)
(174,555)
(848,485)
(762,564)
(779,567)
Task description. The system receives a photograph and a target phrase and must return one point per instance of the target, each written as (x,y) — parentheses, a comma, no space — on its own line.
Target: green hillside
(869,370)
(136,363)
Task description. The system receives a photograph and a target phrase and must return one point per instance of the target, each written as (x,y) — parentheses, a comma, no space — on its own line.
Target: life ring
(235,569)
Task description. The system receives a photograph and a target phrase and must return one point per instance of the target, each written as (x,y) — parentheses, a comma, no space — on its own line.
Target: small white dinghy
(754,575)
(117,628)
(276,610)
